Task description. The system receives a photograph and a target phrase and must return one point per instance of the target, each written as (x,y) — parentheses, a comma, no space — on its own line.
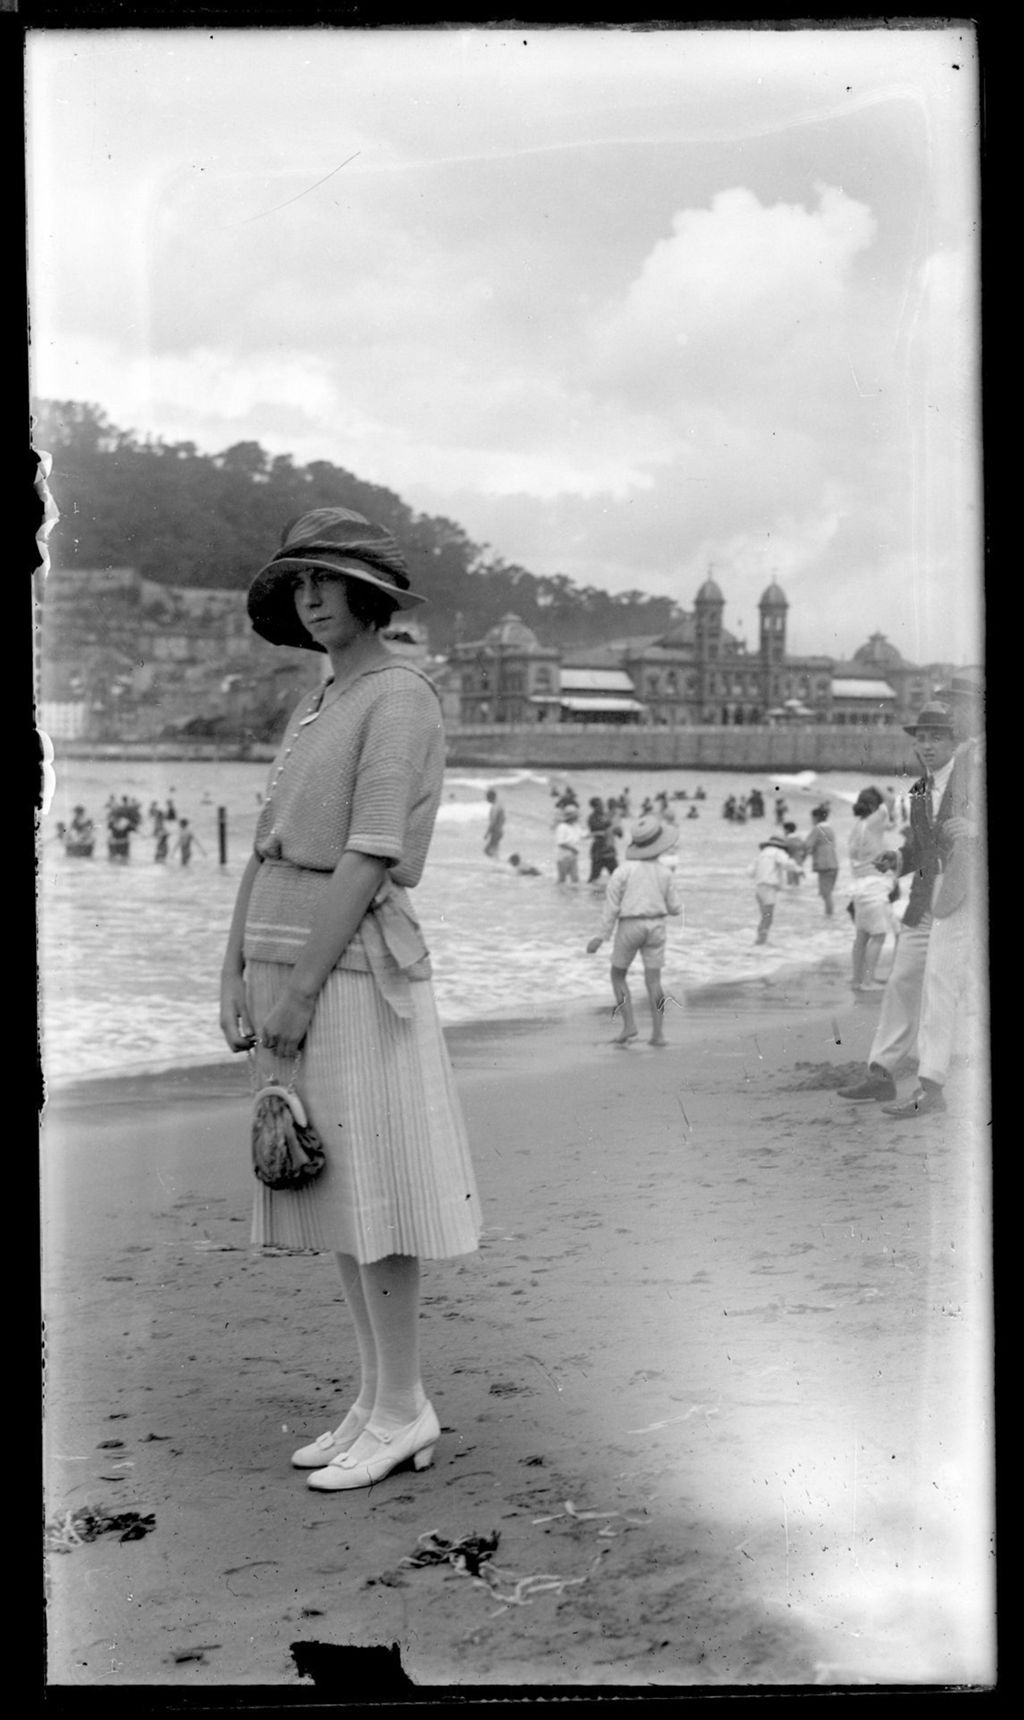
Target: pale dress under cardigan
(869,839)
(363,772)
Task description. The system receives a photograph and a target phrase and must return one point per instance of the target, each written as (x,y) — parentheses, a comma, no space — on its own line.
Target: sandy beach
(719,1379)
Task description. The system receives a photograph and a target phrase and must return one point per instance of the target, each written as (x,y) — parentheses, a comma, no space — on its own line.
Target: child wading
(773,867)
(495,824)
(639,896)
(187,839)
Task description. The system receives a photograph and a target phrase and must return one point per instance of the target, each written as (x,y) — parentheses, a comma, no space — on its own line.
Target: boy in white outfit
(639,896)
(567,847)
(773,867)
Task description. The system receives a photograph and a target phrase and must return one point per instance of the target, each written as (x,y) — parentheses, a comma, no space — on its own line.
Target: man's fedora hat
(970,684)
(332,539)
(933,719)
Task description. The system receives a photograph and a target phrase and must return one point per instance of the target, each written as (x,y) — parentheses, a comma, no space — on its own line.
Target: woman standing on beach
(873,834)
(326,973)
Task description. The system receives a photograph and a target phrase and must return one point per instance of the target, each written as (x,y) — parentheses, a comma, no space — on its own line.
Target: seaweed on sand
(89,1522)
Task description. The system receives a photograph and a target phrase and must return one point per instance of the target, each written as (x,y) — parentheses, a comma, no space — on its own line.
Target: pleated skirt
(379,1089)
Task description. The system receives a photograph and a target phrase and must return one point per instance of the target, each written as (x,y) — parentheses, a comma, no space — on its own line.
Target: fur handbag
(287,1152)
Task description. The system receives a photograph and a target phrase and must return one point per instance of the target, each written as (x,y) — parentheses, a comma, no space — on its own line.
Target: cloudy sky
(626,305)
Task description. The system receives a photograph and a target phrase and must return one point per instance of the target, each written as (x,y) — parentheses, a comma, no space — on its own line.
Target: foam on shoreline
(557,1030)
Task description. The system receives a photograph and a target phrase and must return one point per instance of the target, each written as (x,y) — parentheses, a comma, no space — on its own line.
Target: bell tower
(772,607)
(709,607)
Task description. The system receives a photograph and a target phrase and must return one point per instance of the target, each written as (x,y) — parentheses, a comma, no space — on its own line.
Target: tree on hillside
(185,518)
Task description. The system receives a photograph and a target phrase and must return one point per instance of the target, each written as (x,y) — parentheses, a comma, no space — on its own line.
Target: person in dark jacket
(930,807)
(820,849)
(955,966)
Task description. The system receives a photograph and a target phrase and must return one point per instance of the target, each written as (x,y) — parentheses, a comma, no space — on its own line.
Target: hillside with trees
(185,518)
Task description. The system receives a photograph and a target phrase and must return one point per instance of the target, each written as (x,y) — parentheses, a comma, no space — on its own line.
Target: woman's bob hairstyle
(332,539)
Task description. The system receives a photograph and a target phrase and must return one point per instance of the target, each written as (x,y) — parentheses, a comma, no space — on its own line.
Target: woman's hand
(286,1026)
(235,1021)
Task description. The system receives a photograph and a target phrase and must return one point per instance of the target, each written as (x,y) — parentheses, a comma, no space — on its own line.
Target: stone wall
(569,747)
(565,748)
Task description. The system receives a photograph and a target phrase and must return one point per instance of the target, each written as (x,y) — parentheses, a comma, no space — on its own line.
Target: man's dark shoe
(877,1084)
(922,1101)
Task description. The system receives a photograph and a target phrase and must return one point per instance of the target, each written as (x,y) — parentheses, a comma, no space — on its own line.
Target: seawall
(566,747)
(577,747)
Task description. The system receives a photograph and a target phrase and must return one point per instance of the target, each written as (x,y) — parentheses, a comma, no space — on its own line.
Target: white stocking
(391,1288)
(352,1285)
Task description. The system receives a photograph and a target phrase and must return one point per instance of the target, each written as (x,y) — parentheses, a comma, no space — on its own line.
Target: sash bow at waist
(393,945)
(388,944)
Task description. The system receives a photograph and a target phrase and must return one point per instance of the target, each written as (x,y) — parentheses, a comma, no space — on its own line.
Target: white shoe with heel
(376,1452)
(330,1445)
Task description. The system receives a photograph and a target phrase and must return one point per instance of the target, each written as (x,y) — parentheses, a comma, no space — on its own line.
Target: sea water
(130,953)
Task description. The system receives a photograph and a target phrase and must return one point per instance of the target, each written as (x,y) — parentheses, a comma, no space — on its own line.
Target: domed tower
(709,606)
(521,673)
(511,634)
(772,607)
(878,653)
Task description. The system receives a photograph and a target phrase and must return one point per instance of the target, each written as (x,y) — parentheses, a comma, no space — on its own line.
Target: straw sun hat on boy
(328,538)
(650,837)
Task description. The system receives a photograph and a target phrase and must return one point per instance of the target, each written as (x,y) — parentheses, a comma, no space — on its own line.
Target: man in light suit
(956,958)
(921,854)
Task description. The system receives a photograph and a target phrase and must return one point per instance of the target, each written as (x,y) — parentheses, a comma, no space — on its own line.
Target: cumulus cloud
(722,303)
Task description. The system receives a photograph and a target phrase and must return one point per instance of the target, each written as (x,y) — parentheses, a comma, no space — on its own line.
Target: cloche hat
(650,837)
(329,538)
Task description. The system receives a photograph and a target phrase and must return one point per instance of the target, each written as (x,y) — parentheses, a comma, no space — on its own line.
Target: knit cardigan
(362,773)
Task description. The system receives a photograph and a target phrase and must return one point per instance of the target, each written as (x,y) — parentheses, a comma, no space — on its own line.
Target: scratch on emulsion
(259,216)
(547,1374)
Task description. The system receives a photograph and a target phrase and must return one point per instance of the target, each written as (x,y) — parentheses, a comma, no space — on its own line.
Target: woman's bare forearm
(354,883)
(233,958)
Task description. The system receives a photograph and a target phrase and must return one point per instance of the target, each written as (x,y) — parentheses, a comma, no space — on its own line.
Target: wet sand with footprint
(715,1393)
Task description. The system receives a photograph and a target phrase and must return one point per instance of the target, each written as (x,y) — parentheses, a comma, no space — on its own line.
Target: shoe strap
(345,1460)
